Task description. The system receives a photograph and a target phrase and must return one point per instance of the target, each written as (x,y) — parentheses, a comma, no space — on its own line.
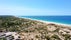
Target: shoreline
(46,21)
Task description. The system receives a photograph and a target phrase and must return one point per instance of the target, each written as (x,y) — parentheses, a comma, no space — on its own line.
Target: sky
(35,7)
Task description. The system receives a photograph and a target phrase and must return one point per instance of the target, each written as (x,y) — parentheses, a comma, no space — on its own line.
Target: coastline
(23,28)
(46,21)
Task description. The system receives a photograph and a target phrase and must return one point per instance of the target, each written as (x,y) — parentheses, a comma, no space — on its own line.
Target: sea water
(58,19)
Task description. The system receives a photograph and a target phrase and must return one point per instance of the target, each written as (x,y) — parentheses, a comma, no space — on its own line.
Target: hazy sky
(35,7)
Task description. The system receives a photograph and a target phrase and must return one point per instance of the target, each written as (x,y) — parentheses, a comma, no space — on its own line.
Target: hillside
(34,30)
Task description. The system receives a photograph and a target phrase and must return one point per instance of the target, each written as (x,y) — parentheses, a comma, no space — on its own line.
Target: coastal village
(14,28)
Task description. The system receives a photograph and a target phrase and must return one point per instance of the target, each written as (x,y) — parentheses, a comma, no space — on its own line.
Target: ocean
(57,19)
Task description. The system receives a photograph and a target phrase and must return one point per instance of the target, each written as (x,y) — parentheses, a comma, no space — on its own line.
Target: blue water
(58,19)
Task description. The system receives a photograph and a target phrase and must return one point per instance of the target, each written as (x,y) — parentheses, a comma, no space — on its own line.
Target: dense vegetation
(39,30)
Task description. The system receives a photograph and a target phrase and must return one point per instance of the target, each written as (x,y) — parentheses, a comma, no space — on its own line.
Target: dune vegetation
(34,30)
